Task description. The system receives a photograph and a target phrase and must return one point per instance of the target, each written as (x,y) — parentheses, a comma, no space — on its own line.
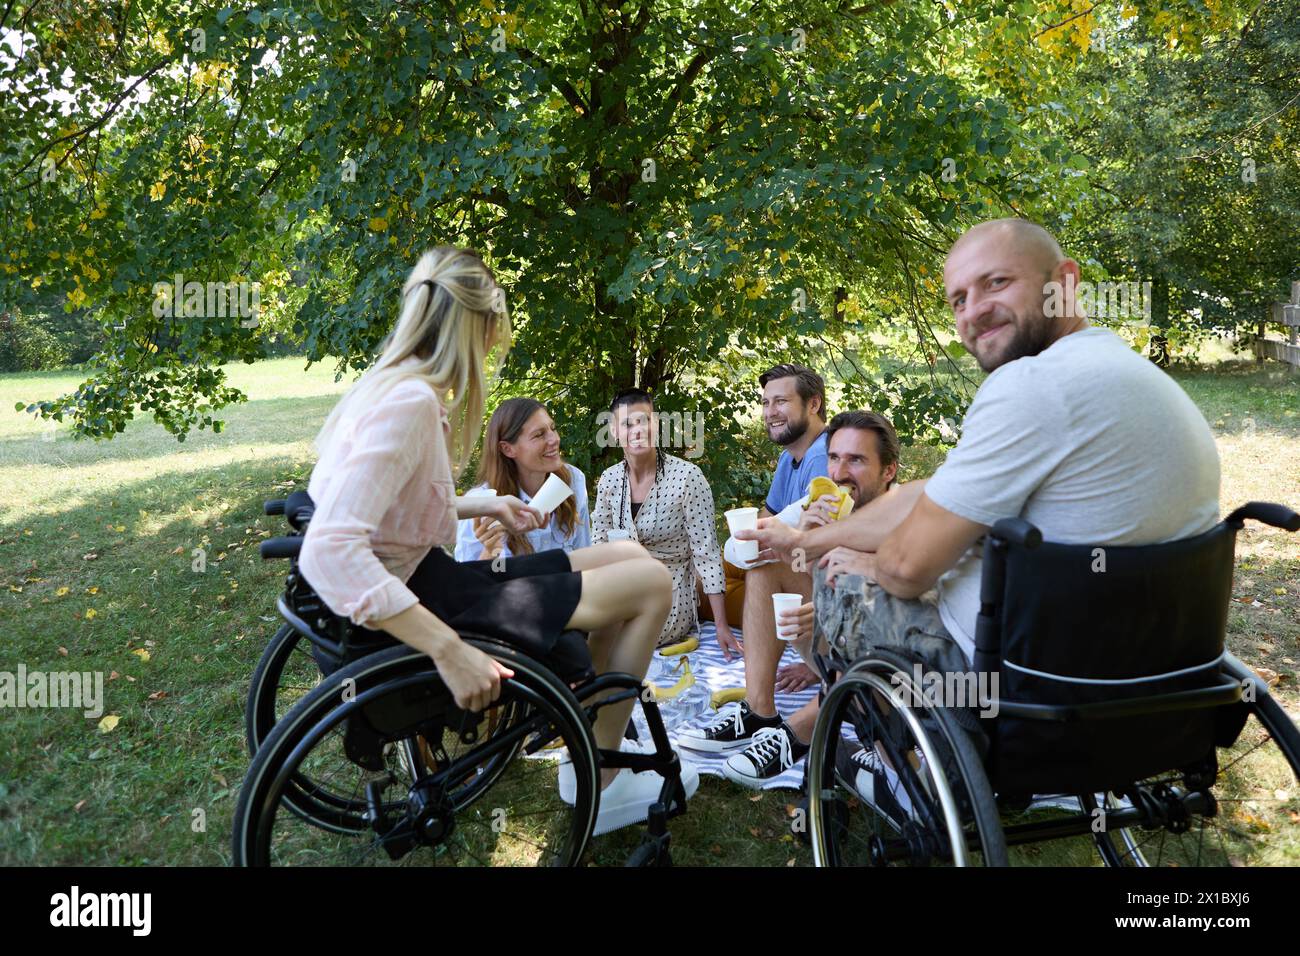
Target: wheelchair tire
(375,722)
(1254,817)
(951,815)
(269,698)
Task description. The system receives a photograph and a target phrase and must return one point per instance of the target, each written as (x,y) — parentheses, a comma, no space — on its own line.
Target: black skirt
(527,604)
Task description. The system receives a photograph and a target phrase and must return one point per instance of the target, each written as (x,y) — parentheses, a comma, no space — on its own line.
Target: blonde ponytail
(454,322)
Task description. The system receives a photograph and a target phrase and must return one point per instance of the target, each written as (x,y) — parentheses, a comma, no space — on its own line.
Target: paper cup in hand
(737,519)
(551,494)
(786,602)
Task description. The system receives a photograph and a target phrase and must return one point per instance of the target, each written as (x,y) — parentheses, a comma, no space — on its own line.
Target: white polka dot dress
(675,524)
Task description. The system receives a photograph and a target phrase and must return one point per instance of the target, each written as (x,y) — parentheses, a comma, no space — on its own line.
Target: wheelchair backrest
(1109,613)
(1064,625)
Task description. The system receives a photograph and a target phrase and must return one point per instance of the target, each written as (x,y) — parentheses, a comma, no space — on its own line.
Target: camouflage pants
(858,614)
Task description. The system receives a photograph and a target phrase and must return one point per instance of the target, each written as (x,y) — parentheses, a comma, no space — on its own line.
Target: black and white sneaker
(774,751)
(732,729)
(880,787)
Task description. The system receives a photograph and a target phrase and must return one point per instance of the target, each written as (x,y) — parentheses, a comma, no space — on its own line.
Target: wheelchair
(360,755)
(1115,698)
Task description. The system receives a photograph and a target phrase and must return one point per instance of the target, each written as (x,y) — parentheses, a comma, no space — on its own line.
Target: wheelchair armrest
(1017,531)
(1279,516)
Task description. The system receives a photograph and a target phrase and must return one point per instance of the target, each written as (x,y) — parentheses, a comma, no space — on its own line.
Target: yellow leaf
(90,613)
(740,283)
(94,590)
(141,653)
(108,723)
(784,256)
(157,190)
(60,592)
(717,309)
(378,225)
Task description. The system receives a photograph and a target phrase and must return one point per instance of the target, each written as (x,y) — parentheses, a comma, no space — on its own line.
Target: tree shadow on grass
(182,644)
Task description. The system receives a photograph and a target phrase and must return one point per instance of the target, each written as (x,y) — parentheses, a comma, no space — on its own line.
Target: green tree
(674,194)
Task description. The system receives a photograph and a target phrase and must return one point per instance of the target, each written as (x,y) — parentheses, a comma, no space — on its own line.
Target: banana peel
(824,486)
(720,698)
(686,680)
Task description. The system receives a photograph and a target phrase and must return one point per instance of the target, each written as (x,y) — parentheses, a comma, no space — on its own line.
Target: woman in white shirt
(521,450)
(385,503)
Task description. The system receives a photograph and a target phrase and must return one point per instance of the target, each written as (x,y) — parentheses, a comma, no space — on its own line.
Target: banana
(725,696)
(686,680)
(681,647)
(824,486)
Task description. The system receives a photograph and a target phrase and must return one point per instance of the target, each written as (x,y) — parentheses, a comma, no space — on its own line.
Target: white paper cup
(551,494)
(619,534)
(737,519)
(786,602)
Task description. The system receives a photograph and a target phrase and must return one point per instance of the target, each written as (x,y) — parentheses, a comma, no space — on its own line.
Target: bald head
(1001,279)
(1025,238)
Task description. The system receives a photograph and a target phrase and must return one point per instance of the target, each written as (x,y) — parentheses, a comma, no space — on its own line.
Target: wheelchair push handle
(1018,531)
(1279,516)
(280,547)
(274,507)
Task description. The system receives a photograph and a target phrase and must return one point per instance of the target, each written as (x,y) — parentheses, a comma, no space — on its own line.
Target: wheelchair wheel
(1242,809)
(895,781)
(384,735)
(286,673)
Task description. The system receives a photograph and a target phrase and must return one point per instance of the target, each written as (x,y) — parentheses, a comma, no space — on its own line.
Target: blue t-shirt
(790,483)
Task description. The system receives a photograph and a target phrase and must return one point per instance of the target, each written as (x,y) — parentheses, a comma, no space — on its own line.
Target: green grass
(115,524)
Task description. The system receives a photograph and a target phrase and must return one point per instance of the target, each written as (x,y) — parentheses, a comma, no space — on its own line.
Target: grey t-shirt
(1088,441)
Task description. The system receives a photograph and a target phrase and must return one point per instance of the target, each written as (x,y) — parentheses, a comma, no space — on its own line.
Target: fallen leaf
(755,798)
(63,652)
(790,862)
(89,557)
(754,832)
(60,592)
(130,678)
(158,695)
(141,653)
(90,613)
(76,807)
(1269,677)
(108,723)
(94,590)
(113,675)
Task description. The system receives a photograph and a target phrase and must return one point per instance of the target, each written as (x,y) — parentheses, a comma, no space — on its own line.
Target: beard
(792,432)
(1030,333)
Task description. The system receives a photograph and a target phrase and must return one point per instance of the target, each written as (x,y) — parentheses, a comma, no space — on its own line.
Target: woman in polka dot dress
(665,503)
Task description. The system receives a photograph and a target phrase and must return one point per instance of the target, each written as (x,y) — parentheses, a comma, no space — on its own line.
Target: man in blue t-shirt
(794,413)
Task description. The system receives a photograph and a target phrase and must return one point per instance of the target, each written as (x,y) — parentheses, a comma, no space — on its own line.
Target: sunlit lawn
(96,554)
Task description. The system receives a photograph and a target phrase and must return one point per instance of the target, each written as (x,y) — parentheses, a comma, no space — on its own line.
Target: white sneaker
(627,800)
(569,780)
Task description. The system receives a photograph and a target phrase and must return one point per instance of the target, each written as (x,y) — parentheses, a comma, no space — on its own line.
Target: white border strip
(1122,680)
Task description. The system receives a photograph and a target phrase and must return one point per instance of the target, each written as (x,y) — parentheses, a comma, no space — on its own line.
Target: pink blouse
(384,497)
